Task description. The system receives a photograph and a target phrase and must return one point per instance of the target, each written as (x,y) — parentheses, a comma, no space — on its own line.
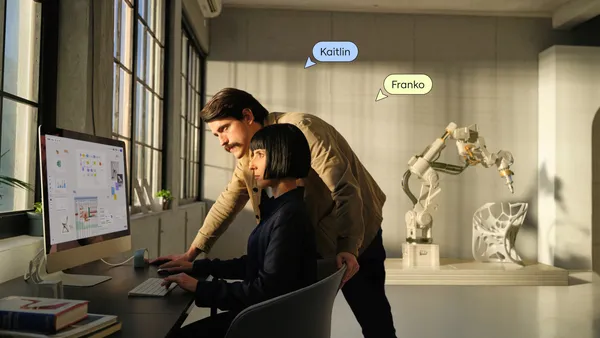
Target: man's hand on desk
(184,281)
(189,256)
(177,266)
(164,259)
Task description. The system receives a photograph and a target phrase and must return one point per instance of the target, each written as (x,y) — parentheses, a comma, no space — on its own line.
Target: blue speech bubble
(335,51)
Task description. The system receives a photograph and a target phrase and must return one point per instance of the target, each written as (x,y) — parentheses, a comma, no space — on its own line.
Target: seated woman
(281,254)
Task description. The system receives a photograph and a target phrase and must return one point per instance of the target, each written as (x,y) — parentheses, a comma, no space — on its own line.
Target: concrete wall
(163,232)
(484,71)
(569,100)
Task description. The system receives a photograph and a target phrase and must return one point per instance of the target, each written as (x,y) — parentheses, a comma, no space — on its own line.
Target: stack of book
(50,317)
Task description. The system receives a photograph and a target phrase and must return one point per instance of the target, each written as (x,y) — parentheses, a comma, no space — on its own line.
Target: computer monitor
(85,202)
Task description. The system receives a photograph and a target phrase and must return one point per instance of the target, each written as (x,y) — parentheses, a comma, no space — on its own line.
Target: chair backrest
(300,314)
(326,267)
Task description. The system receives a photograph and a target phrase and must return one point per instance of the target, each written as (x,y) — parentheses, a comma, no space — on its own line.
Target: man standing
(344,201)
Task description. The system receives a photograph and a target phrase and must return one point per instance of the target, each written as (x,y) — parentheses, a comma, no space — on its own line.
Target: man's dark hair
(288,153)
(229,102)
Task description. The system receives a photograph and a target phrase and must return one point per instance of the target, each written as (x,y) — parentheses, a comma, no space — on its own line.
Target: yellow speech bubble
(407,84)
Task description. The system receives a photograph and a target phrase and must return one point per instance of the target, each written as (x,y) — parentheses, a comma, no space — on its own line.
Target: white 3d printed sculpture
(495,229)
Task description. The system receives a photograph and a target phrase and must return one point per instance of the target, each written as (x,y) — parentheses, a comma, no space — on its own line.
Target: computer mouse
(163,272)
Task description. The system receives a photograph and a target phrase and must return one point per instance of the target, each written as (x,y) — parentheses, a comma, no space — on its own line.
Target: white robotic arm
(473,151)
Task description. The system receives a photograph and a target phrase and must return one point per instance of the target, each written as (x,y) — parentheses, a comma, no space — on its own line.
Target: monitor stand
(37,273)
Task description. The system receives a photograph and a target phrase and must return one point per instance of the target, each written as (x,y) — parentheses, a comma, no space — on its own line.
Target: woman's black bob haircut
(288,153)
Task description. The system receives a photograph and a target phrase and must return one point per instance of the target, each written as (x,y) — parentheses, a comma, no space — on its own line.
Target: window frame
(12,222)
(128,151)
(189,31)
(131,153)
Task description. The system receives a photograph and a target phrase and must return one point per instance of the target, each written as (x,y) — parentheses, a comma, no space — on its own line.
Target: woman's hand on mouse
(178,266)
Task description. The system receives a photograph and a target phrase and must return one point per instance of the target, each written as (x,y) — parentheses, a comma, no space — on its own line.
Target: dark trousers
(365,293)
(215,326)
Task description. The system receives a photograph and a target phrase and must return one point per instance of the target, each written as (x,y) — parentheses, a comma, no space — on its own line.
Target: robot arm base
(421,240)
(418,227)
(420,255)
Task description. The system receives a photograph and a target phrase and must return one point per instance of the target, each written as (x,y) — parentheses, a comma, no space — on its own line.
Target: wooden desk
(140,316)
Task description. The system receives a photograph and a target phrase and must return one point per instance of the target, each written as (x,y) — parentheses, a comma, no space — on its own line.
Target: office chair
(299,314)
(326,267)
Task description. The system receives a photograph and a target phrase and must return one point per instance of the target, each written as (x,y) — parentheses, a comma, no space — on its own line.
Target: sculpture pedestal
(470,272)
(420,255)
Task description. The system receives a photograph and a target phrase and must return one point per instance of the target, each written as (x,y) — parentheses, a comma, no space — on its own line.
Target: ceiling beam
(574,13)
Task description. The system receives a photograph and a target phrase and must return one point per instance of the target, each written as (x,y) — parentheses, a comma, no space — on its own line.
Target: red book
(46,315)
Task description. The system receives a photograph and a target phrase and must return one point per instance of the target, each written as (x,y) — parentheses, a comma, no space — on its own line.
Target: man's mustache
(229,146)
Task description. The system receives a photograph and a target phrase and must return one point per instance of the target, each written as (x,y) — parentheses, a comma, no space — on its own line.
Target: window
(139,75)
(19,91)
(191,103)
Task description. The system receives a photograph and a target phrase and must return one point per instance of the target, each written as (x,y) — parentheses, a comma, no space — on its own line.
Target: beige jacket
(344,201)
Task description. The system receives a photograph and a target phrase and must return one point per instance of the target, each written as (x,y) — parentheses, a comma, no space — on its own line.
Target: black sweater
(281,257)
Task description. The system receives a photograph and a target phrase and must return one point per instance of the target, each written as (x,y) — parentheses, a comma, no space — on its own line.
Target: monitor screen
(84,190)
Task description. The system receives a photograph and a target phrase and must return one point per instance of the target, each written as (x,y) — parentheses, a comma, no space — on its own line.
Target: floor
(487,311)
(482,311)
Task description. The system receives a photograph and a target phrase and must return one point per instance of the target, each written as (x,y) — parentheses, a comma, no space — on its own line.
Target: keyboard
(151,288)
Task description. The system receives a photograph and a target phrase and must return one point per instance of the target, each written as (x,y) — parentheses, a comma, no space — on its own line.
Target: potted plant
(16,183)
(13,182)
(36,222)
(166,197)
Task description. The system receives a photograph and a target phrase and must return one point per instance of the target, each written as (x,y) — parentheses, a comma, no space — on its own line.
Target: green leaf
(165,194)
(15,183)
